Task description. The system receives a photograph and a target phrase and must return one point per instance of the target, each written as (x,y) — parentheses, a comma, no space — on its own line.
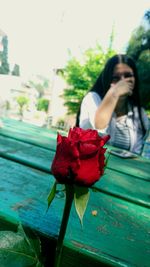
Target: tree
(139,49)
(16,70)
(41,84)
(22,101)
(143,65)
(81,75)
(42,104)
(4,68)
(147,16)
(140,39)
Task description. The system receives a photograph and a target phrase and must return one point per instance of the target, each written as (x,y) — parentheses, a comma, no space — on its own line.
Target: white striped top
(125,131)
(122,135)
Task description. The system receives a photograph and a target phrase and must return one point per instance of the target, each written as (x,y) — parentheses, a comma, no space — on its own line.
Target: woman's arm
(107,106)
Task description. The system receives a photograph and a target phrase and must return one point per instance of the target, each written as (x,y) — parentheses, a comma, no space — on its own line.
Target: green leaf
(107,155)
(32,239)
(81,198)
(52,194)
(16,249)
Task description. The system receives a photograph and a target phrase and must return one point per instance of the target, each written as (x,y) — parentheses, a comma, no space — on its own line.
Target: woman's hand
(123,88)
(117,94)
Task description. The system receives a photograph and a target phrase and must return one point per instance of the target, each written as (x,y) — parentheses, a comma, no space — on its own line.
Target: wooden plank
(114,182)
(29,133)
(42,137)
(118,230)
(137,167)
(118,236)
(26,153)
(125,187)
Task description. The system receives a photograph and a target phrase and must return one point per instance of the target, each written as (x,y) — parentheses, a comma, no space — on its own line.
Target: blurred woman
(112,106)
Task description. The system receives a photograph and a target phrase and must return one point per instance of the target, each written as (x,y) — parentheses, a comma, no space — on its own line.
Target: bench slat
(114,182)
(119,233)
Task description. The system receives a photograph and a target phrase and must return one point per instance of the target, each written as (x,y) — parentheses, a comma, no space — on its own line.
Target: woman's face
(123,71)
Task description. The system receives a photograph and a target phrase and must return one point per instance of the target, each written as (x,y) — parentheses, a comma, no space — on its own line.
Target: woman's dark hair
(104,80)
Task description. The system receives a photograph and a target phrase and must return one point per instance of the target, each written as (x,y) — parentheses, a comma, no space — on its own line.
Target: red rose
(79,158)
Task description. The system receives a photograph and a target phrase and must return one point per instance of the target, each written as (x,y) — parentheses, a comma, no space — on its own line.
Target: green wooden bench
(118,179)
(119,235)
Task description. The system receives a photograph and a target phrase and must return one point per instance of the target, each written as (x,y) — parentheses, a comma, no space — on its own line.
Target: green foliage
(42,104)
(143,65)
(140,39)
(4,68)
(22,101)
(16,70)
(60,124)
(7,105)
(17,249)
(81,75)
(147,16)
(41,84)
(139,50)
(139,42)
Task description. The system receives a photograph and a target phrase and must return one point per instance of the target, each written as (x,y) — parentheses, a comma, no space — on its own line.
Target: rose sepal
(81,198)
(51,194)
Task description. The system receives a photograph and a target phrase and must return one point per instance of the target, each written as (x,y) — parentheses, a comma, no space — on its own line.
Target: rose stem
(65,218)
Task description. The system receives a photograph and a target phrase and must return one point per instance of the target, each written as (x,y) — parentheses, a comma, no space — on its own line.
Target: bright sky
(41,31)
